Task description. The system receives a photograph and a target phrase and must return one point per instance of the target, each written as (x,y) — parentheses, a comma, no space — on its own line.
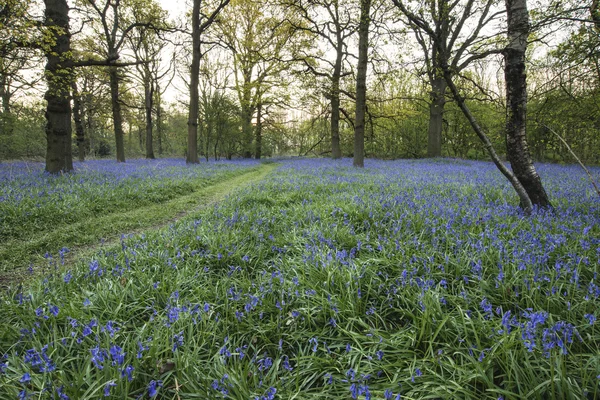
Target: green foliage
(22,133)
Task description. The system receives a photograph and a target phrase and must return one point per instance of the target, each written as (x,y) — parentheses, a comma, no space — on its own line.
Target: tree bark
(192,150)
(361,84)
(159,121)
(148,102)
(436,115)
(58,77)
(247,112)
(258,138)
(517,149)
(77,118)
(336,151)
(7,117)
(113,74)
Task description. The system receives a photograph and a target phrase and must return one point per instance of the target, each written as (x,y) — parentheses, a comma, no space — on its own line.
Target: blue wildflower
(107,388)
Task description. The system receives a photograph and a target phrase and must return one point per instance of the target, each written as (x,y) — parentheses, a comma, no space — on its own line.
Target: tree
(59,78)
(115,27)
(200,23)
(147,47)
(457,30)
(449,71)
(361,83)
(261,40)
(331,21)
(516,102)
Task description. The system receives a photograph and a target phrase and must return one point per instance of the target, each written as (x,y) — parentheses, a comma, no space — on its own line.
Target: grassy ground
(39,231)
(416,279)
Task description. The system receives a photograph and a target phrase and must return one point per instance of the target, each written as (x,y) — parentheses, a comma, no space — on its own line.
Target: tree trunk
(336,151)
(517,149)
(192,142)
(159,121)
(7,117)
(58,77)
(258,149)
(148,102)
(361,84)
(436,115)
(116,111)
(247,112)
(77,118)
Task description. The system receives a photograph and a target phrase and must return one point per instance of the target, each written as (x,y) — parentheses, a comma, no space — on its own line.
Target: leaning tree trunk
(361,84)
(77,118)
(516,102)
(436,115)
(113,75)
(460,101)
(258,136)
(58,78)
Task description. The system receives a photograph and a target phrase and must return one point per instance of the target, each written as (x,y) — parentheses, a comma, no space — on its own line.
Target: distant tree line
(376,78)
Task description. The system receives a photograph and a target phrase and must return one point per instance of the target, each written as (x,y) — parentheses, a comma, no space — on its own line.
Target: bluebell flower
(117,354)
(286,363)
(153,388)
(177,341)
(107,388)
(25,378)
(127,372)
(98,356)
(315,344)
(61,395)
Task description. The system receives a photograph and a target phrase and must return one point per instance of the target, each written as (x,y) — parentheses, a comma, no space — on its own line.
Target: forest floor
(84,238)
(309,279)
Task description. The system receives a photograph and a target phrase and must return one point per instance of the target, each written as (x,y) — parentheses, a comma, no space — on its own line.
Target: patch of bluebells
(25,188)
(382,253)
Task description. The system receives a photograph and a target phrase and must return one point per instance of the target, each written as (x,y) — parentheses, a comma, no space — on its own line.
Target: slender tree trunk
(148,102)
(336,151)
(517,149)
(159,121)
(117,114)
(436,115)
(192,143)
(7,117)
(77,118)
(361,84)
(258,149)
(58,77)
(247,112)
(89,122)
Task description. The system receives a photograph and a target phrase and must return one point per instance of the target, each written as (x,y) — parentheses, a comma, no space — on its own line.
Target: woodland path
(103,232)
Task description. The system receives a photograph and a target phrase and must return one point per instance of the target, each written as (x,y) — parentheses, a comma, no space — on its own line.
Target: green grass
(31,248)
(326,282)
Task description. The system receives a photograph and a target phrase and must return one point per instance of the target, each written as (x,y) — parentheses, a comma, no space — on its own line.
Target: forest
(299,199)
(265,78)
